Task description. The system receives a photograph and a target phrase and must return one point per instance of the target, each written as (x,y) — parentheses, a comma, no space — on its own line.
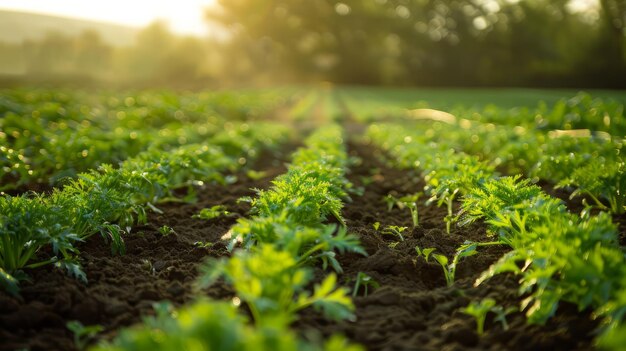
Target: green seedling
(83,334)
(376,226)
(365,281)
(414,214)
(395,231)
(367,180)
(166,230)
(203,244)
(492,198)
(467,249)
(449,199)
(445,194)
(448,271)
(191,197)
(256,175)
(410,201)
(424,252)
(146,265)
(604,183)
(217,325)
(28,223)
(212,212)
(479,311)
(501,314)
(391,201)
(273,285)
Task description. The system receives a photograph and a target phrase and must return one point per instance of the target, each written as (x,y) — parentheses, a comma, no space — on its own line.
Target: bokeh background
(192,44)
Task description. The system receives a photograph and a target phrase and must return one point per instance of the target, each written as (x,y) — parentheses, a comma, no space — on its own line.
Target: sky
(183,16)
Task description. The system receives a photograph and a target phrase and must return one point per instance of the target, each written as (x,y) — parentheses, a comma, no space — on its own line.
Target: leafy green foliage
(365,281)
(270,273)
(394,230)
(447,182)
(557,255)
(272,283)
(496,196)
(306,196)
(600,180)
(479,311)
(203,244)
(449,269)
(614,339)
(575,253)
(72,267)
(425,252)
(83,334)
(407,201)
(166,230)
(51,135)
(212,212)
(308,244)
(26,224)
(376,226)
(8,283)
(501,314)
(208,325)
(109,200)
(290,215)
(256,175)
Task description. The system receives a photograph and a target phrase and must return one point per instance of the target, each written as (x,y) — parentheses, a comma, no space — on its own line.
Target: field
(312,218)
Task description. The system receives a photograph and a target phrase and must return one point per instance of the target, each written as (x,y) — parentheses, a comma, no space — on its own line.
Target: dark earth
(413,309)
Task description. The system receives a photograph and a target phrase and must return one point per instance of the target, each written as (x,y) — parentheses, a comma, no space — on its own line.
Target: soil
(413,309)
(123,288)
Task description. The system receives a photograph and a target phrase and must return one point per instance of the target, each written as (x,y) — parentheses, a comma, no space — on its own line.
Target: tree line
(547,43)
(435,42)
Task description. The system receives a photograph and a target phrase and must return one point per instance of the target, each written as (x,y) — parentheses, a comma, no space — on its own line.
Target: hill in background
(16,27)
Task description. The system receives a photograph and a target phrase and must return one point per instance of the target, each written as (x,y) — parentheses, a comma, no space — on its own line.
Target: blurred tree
(161,58)
(51,56)
(614,25)
(427,42)
(143,60)
(92,56)
(399,42)
(183,62)
(12,59)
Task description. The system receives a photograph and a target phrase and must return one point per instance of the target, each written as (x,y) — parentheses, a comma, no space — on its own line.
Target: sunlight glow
(183,16)
(582,5)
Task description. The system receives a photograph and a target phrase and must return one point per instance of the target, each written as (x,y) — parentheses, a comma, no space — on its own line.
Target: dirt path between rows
(414,309)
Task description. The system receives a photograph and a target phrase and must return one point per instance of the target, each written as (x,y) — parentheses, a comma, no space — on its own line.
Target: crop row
(48,136)
(109,200)
(269,270)
(581,111)
(590,164)
(559,256)
(305,105)
(157,109)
